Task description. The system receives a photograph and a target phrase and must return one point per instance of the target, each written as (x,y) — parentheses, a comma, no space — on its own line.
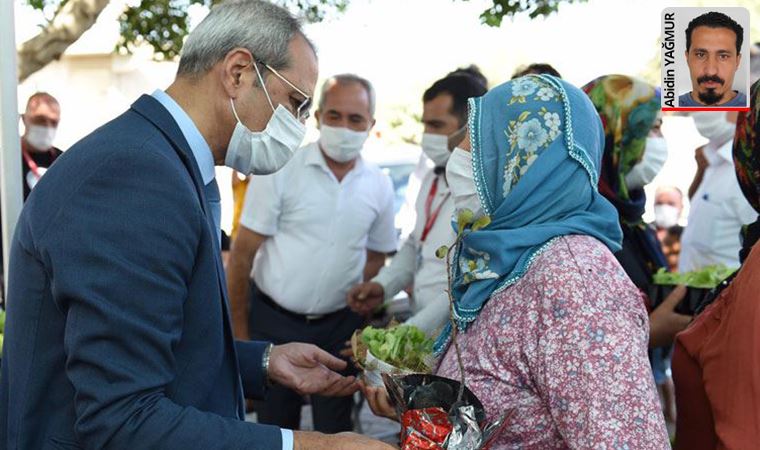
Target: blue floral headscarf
(537,145)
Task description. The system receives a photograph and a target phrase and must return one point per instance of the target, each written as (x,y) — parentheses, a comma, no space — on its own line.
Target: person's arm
(400,272)
(243,251)
(432,316)
(593,374)
(699,156)
(259,220)
(381,238)
(375,261)
(665,323)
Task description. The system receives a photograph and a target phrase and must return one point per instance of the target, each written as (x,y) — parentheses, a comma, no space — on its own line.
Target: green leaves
(163,24)
(464,218)
(402,346)
(481,223)
(510,8)
(707,278)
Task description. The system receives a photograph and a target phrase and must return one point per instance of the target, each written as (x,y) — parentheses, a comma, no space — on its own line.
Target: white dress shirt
(320,230)
(416,262)
(718,211)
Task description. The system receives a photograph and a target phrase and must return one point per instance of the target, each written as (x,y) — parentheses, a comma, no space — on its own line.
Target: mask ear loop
(232,103)
(261,80)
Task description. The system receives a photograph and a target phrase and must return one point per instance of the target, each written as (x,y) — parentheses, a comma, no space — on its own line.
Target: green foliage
(707,278)
(163,23)
(402,346)
(510,8)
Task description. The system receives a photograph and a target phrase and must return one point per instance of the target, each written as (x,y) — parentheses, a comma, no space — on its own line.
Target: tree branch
(68,25)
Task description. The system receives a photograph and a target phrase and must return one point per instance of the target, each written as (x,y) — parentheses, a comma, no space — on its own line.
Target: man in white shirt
(444,116)
(718,207)
(321,224)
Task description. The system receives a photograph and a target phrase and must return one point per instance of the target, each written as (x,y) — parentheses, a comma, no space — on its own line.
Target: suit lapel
(154,112)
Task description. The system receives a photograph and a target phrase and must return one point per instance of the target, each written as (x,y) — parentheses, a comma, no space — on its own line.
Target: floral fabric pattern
(475,268)
(564,353)
(536,177)
(746,160)
(527,137)
(628,108)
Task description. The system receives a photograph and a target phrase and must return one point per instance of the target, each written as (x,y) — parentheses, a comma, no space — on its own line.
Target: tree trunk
(68,25)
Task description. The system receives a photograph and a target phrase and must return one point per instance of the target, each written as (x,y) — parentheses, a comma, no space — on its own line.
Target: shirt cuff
(287,439)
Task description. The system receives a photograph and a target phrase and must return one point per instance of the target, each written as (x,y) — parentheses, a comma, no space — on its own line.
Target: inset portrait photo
(705,59)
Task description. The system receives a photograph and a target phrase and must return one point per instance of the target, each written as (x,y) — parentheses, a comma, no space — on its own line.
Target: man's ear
(236,70)
(318,117)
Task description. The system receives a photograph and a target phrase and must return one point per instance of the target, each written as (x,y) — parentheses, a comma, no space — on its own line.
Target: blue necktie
(214,200)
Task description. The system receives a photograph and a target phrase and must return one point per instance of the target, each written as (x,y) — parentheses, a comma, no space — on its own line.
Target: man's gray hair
(344,79)
(259,26)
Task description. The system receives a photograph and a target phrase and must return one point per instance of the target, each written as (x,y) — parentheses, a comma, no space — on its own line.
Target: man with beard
(713,53)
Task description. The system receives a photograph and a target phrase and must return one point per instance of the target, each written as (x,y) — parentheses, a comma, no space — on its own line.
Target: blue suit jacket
(118,332)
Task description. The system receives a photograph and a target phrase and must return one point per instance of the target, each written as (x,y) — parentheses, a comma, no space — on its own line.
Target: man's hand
(664,322)
(307,369)
(305,440)
(364,298)
(378,401)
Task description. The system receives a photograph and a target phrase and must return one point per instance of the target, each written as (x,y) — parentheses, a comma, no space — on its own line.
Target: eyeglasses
(302,112)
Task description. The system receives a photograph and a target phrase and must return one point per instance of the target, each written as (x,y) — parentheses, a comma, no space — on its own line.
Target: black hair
(461,84)
(714,19)
(538,69)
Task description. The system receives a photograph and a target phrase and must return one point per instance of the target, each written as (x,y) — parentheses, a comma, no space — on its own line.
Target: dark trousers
(282,406)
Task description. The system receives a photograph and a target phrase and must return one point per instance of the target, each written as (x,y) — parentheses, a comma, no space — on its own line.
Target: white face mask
(341,144)
(714,126)
(40,138)
(666,216)
(655,155)
(264,152)
(461,182)
(436,146)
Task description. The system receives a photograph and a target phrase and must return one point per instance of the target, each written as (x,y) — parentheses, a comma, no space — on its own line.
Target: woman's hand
(664,322)
(378,401)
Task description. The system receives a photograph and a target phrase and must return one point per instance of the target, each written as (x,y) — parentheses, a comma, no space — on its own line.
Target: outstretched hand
(307,369)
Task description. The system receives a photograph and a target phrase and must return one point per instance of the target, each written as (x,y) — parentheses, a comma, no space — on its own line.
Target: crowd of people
(128,328)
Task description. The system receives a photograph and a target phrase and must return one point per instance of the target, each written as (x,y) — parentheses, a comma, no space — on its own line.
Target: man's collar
(721,154)
(198,145)
(315,157)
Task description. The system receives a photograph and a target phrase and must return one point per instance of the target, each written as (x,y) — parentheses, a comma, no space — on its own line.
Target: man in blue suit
(118,333)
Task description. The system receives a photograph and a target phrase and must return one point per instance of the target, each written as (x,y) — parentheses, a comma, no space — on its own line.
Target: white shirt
(320,230)
(417,263)
(718,211)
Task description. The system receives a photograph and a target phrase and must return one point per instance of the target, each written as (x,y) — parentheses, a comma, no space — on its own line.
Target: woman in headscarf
(550,328)
(628,108)
(633,155)
(716,361)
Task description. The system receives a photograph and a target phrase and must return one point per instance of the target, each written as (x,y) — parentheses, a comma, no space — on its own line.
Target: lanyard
(431,218)
(33,167)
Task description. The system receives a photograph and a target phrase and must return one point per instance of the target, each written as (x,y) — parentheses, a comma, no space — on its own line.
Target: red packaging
(424,429)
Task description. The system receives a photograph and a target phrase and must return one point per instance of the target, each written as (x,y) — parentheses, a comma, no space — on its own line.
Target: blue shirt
(205,160)
(685,101)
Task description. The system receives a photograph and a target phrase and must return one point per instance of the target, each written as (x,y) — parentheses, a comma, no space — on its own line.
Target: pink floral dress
(564,352)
